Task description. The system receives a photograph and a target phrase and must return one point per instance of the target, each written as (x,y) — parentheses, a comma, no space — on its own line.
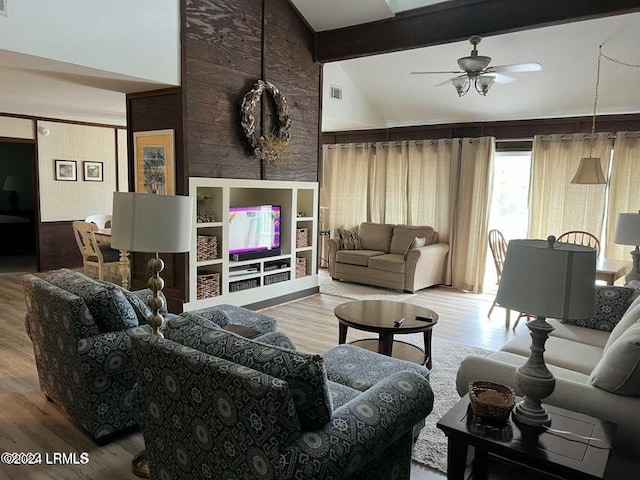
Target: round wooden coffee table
(379,316)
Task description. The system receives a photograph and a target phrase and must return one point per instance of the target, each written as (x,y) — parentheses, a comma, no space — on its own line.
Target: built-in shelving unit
(214,278)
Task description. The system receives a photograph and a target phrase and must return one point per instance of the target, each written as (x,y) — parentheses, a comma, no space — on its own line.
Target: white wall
(140,38)
(354,111)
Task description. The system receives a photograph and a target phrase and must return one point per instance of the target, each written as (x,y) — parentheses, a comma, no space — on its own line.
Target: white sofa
(597,373)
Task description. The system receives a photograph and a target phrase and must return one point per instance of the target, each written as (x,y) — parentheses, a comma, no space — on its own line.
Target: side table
(545,455)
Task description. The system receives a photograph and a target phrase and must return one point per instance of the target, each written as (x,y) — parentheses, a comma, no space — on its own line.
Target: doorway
(509,205)
(18,207)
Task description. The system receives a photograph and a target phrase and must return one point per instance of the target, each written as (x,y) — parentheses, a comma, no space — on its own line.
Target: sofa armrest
(568,394)
(360,430)
(425,266)
(334,246)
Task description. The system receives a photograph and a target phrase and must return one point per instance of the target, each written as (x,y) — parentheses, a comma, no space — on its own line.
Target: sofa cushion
(630,317)
(349,239)
(403,235)
(619,369)
(559,352)
(356,257)
(304,373)
(341,394)
(388,263)
(588,336)
(375,236)
(108,306)
(610,304)
(140,307)
(417,242)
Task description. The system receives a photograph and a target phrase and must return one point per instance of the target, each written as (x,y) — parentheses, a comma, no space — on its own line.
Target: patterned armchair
(236,408)
(81,333)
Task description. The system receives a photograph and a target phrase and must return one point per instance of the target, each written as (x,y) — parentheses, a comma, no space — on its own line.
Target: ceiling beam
(457,20)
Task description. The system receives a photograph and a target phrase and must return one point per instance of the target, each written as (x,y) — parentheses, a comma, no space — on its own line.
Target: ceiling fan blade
(429,73)
(500,78)
(446,82)
(515,68)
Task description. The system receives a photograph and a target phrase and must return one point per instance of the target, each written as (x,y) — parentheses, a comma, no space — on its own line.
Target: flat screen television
(254,229)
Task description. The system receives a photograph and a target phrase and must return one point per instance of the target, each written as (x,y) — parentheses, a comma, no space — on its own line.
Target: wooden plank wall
(226,49)
(503,130)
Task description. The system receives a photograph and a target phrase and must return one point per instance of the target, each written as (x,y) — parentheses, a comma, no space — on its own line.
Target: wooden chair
(94,256)
(581,238)
(102,221)
(498,247)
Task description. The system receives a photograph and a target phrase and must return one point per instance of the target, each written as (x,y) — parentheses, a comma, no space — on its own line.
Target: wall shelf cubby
(256,280)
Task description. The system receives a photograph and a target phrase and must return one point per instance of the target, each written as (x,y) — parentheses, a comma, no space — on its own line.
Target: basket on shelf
(301,267)
(491,401)
(207,247)
(208,285)
(302,237)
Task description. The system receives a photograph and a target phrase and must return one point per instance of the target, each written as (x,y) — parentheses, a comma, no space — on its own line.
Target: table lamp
(628,233)
(13,185)
(545,279)
(152,223)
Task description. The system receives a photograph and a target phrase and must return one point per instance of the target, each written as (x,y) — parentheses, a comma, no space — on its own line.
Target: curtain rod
(389,144)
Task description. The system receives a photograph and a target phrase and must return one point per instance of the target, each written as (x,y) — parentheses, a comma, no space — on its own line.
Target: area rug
(359,292)
(431,447)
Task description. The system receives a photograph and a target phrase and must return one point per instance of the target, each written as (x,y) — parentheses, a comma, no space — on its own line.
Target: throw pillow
(618,371)
(416,243)
(349,239)
(108,306)
(305,373)
(610,305)
(140,307)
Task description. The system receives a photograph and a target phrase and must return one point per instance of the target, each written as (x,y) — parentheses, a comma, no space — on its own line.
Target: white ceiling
(565,86)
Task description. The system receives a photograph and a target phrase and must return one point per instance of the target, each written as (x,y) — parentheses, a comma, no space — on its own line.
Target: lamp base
(531,416)
(634,274)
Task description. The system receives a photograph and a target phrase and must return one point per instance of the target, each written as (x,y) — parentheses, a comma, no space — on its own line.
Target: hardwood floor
(29,423)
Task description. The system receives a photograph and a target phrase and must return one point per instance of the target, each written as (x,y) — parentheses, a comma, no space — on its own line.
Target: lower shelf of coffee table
(401,350)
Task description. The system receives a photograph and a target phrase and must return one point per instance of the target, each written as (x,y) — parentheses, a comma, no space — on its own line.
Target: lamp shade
(589,172)
(548,279)
(12,184)
(627,229)
(151,223)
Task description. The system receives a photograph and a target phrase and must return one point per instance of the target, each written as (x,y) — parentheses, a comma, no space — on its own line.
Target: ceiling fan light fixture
(461,84)
(474,63)
(483,84)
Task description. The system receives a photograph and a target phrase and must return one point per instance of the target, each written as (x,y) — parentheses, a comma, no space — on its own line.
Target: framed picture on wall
(66,170)
(92,171)
(154,162)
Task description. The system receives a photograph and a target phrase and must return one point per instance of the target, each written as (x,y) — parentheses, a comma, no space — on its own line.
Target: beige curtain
(429,178)
(624,189)
(556,205)
(471,177)
(388,183)
(346,182)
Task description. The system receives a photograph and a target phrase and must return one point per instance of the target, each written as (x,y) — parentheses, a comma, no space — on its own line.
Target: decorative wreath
(273,146)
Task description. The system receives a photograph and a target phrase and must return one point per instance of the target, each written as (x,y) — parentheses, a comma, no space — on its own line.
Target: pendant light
(590,168)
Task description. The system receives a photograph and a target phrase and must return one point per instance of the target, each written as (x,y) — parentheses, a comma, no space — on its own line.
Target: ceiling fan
(475,70)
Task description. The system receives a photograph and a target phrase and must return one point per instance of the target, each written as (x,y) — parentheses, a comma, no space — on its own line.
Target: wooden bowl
(491,401)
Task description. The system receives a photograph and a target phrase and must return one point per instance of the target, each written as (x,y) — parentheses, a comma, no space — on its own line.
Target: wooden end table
(546,455)
(378,316)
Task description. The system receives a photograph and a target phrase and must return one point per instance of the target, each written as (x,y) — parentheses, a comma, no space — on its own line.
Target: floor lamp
(151,223)
(545,279)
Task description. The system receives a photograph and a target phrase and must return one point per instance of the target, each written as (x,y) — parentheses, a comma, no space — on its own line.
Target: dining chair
(581,238)
(498,247)
(96,256)
(102,221)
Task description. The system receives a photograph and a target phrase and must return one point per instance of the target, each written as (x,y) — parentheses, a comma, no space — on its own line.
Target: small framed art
(92,171)
(66,170)
(154,159)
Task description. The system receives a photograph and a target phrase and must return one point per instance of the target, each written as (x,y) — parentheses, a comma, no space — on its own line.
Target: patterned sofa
(216,405)
(81,333)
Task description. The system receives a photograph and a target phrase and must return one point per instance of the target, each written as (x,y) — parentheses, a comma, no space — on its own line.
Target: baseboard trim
(283,299)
